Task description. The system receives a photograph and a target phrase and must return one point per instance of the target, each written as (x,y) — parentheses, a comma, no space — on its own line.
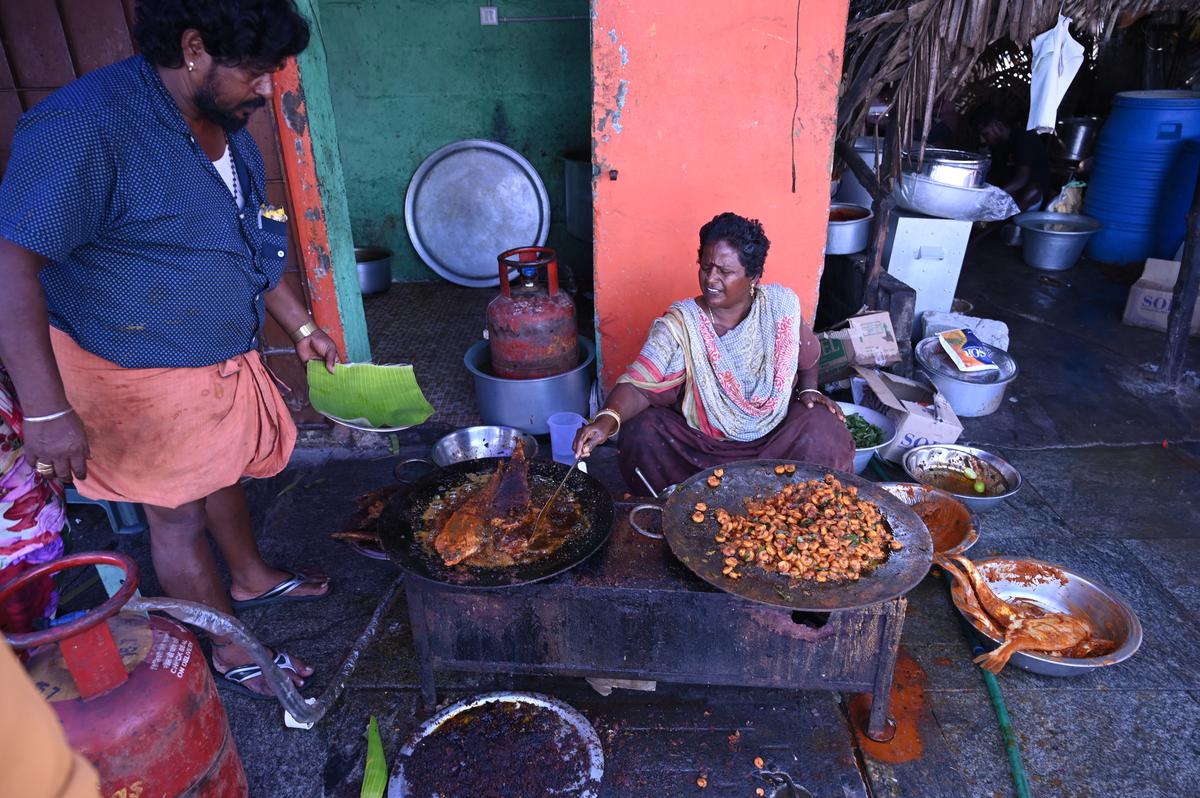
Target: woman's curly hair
(746,236)
(258,33)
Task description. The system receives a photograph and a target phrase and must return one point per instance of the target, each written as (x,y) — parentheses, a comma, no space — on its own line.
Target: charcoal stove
(633,611)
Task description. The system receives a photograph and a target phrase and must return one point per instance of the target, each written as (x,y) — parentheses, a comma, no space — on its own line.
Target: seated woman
(729,375)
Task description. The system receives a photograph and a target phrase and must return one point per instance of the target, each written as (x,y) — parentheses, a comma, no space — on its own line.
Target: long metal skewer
(557,490)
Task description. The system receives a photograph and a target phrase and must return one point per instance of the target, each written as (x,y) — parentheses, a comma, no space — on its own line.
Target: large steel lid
(469,201)
(934,359)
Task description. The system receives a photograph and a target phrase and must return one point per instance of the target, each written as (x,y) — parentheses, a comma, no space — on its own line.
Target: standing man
(140,257)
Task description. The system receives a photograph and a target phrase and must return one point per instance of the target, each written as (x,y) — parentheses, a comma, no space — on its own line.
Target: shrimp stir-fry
(816,530)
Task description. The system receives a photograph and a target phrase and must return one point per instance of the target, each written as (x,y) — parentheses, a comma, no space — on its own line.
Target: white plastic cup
(563,427)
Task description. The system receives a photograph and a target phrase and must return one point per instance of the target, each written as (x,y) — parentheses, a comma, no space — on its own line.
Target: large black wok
(694,546)
(401,520)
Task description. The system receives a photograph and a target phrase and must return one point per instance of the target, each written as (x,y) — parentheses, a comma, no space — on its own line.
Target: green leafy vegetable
(375,771)
(865,433)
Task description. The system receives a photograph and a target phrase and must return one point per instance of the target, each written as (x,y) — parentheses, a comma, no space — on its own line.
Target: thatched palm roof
(926,49)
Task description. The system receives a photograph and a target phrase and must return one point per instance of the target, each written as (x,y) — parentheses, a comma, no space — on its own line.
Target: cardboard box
(921,414)
(1149,302)
(864,340)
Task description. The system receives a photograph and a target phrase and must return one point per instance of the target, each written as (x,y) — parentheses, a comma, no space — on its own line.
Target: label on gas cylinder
(171,654)
(133,637)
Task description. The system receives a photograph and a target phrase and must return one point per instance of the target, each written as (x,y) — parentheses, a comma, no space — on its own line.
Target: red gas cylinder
(134,695)
(531,328)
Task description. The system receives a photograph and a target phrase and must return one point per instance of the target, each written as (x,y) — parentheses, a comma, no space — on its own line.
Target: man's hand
(318,346)
(61,443)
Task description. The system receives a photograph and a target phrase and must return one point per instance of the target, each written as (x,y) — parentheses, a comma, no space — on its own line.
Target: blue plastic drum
(1139,155)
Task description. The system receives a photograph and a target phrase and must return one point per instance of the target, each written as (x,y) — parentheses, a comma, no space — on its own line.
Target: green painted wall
(408,76)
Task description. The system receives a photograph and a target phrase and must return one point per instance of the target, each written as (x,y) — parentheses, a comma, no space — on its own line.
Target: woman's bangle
(809,390)
(51,417)
(613,414)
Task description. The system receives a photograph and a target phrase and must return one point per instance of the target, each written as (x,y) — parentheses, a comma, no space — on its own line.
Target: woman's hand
(318,346)
(61,443)
(592,435)
(811,399)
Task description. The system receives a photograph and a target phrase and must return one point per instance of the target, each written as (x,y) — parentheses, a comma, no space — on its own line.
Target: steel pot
(949,167)
(374,269)
(526,404)
(1076,137)
(969,394)
(929,464)
(849,228)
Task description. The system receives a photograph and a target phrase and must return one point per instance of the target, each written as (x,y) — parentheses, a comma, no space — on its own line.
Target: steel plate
(588,785)
(468,202)
(359,424)
(694,546)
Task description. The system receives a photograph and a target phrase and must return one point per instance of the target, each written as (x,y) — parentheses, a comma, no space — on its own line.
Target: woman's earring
(191,66)
(753,289)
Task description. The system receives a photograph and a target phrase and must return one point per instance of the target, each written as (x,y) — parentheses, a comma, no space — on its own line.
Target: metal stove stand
(632,611)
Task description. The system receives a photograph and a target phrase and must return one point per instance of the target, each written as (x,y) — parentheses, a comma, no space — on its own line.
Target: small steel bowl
(913,493)
(1056,589)
(862,457)
(473,443)
(925,463)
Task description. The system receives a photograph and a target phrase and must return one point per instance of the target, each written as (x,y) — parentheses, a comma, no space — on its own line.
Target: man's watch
(303,331)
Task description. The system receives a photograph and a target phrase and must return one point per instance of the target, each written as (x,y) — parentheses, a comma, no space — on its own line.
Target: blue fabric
(150,261)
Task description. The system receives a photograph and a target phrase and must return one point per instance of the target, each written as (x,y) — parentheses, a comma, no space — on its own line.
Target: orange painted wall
(700,107)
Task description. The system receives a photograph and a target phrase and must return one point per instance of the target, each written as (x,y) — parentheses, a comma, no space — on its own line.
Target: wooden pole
(1187,288)
(865,174)
(882,206)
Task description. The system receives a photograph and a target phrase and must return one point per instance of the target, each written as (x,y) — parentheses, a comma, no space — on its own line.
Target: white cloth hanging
(1056,60)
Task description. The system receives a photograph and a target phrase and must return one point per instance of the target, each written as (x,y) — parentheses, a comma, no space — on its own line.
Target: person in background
(32,519)
(1019,162)
(728,375)
(140,258)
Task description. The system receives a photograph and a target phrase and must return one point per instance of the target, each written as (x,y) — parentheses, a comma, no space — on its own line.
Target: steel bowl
(913,493)
(1056,589)
(862,457)
(970,394)
(949,167)
(931,465)
(473,443)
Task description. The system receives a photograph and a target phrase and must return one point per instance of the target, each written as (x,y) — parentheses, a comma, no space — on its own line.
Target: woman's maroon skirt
(659,443)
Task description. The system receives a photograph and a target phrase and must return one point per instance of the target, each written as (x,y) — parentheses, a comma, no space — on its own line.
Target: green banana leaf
(368,395)
(375,773)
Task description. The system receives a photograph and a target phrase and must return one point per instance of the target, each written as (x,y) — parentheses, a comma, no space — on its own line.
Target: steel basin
(925,463)
(1054,241)
(1056,589)
(526,404)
